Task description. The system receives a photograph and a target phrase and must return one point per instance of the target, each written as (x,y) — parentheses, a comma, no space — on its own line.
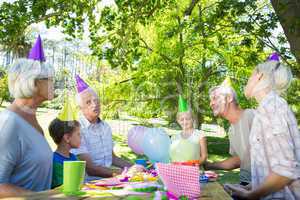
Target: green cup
(74,172)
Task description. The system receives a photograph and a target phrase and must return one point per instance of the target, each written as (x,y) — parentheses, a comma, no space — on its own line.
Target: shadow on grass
(218,148)
(228,176)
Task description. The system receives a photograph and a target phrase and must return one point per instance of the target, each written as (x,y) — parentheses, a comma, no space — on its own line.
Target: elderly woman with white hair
(26,157)
(274,137)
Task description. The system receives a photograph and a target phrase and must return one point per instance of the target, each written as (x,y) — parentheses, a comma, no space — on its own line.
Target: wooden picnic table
(210,191)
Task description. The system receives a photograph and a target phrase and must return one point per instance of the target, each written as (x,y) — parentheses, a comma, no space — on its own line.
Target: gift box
(180,180)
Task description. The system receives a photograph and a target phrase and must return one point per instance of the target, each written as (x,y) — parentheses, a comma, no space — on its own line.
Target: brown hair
(58,129)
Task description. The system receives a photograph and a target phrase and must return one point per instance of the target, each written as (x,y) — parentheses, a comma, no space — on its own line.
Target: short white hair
(223,90)
(22,75)
(276,75)
(88,90)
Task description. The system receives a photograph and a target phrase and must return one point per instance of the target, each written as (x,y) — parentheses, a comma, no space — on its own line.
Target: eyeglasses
(45,79)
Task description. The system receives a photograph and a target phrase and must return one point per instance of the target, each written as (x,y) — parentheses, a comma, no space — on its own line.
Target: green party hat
(69,111)
(182,104)
(227,82)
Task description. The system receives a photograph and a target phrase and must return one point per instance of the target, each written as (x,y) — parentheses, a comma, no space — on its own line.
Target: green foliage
(182,48)
(293,97)
(17,16)
(57,102)
(4,92)
(159,49)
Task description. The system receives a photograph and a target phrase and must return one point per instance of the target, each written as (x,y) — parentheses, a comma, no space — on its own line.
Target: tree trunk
(288,12)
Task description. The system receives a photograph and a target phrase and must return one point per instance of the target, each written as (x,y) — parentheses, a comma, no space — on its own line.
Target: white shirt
(280,152)
(96,140)
(185,149)
(239,143)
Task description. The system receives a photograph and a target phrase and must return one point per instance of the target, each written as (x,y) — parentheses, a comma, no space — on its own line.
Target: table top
(211,190)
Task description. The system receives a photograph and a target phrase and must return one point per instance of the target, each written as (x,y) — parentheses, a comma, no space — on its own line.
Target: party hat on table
(182,104)
(37,52)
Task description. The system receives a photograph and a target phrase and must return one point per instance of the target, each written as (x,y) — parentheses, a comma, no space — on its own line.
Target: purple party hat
(37,52)
(274,56)
(81,85)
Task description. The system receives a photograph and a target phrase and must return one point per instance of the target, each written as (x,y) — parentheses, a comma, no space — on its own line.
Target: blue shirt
(58,168)
(26,157)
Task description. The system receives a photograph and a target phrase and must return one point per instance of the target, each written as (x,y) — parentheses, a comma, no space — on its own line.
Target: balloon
(156,145)
(182,150)
(135,139)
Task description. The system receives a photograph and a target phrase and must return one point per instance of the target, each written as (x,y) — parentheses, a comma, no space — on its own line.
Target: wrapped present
(180,180)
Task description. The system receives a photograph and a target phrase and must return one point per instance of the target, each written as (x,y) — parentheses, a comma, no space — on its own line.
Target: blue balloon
(156,145)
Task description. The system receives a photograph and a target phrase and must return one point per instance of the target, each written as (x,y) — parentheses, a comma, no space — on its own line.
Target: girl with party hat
(190,144)
(65,132)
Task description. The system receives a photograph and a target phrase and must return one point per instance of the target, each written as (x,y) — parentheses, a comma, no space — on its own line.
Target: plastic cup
(141,162)
(74,172)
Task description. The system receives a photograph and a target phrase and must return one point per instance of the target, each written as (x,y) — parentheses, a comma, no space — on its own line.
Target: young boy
(190,144)
(66,134)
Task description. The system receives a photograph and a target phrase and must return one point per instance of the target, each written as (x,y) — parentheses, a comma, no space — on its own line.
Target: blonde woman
(274,137)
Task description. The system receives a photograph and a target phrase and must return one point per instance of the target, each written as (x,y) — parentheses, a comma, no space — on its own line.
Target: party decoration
(182,150)
(227,82)
(156,145)
(37,52)
(135,139)
(182,104)
(81,85)
(274,56)
(180,180)
(69,111)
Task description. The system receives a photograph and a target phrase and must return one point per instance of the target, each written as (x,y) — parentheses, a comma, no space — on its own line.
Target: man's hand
(116,171)
(95,170)
(239,191)
(118,162)
(228,164)
(207,165)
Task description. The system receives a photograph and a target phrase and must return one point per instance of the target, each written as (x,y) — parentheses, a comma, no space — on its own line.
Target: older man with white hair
(224,103)
(96,146)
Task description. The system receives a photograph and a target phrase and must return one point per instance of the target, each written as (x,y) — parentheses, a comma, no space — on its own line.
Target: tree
(163,48)
(289,17)
(4,92)
(16,17)
(186,47)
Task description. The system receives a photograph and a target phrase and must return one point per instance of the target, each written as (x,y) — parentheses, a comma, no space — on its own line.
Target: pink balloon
(135,139)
